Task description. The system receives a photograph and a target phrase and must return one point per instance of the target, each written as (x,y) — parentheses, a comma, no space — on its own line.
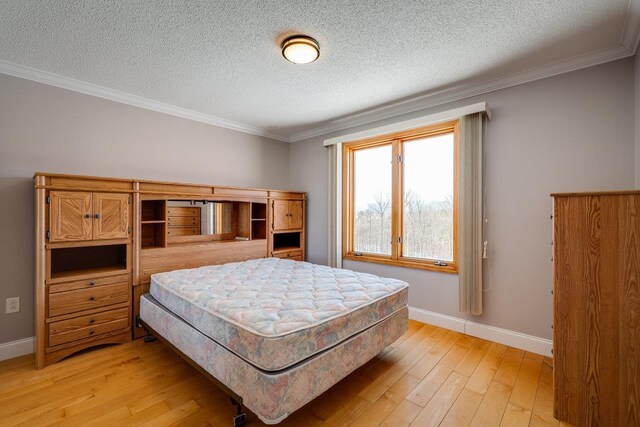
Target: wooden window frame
(396,140)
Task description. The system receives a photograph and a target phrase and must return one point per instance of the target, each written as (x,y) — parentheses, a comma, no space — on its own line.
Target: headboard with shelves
(115,233)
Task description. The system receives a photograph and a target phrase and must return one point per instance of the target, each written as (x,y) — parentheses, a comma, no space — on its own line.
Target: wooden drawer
(86,299)
(297,255)
(180,221)
(87,283)
(183,231)
(87,326)
(182,211)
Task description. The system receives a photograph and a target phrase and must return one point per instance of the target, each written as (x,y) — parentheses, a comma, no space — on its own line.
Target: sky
(428,169)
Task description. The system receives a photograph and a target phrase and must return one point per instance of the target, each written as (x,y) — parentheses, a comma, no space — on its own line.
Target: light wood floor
(430,376)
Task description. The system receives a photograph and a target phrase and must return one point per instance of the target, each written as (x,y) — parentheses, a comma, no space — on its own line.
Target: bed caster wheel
(149,338)
(240,420)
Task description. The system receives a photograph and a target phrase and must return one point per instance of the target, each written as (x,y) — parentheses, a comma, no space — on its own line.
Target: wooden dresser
(99,240)
(597,308)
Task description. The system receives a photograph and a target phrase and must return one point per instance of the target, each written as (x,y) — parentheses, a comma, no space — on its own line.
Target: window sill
(406,263)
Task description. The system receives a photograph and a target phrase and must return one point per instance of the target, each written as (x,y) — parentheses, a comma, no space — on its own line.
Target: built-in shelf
(153,224)
(81,273)
(258,210)
(258,229)
(153,234)
(286,241)
(154,210)
(78,262)
(165,223)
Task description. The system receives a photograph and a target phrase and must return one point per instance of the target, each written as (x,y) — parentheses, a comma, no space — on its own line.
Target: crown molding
(133,100)
(467,90)
(631,30)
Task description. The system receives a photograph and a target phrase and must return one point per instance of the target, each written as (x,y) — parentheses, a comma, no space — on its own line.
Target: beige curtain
(334,203)
(471,214)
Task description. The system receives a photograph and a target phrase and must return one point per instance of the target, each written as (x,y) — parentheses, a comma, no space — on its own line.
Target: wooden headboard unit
(99,240)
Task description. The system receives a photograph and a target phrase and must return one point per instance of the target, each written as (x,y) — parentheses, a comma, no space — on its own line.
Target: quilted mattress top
(275,312)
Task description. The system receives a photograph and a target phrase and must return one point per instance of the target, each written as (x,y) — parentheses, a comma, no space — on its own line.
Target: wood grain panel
(173,211)
(86,183)
(629,314)
(244,219)
(173,188)
(87,283)
(280,215)
(156,260)
(40,274)
(286,195)
(240,192)
(288,254)
(86,299)
(87,326)
(596,306)
(296,218)
(603,354)
(568,304)
(57,353)
(182,231)
(111,215)
(70,216)
(181,221)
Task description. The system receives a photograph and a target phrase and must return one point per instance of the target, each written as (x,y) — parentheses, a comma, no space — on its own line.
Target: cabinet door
(110,215)
(280,215)
(69,216)
(295,215)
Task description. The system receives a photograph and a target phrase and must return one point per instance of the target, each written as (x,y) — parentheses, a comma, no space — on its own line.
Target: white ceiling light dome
(300,49)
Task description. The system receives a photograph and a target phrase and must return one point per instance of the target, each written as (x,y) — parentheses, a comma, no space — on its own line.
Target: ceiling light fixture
(300,49)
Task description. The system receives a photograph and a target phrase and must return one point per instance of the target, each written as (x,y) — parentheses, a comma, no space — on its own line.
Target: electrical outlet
(13,305)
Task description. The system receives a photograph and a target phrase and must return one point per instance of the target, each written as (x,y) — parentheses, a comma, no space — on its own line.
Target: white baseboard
(437,319)
(12,349)
(503,336)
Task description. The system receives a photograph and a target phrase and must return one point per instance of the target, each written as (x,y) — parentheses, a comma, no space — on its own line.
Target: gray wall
(43,128)
(573,132)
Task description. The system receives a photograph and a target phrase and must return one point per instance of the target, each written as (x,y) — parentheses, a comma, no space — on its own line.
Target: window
(400,198)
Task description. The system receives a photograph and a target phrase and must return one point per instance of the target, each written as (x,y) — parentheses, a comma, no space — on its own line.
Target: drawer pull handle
(92,321)
(91,332)
(87,216)
(92,298)
(92,283)
(97,215)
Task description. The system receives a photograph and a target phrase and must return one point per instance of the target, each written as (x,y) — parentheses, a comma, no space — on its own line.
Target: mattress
(275,312)
(272,396)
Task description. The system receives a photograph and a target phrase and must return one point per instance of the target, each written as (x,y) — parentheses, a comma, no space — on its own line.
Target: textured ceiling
(222,58)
